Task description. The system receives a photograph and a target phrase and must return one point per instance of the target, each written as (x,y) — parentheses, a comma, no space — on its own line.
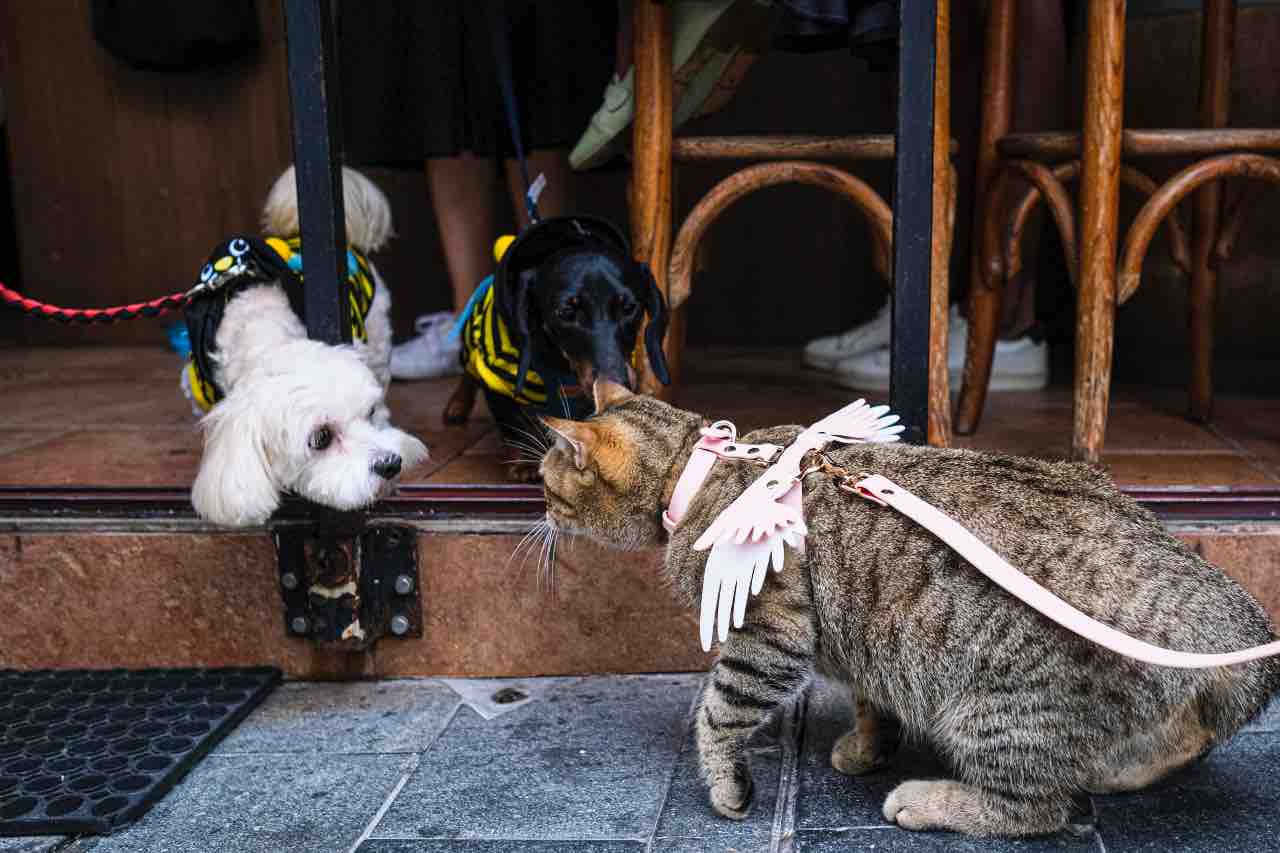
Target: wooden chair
(789,159)
(1099,157)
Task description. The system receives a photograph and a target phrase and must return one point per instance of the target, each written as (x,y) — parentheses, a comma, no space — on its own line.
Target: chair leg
(651,168)
(984,293)
(944,182)
(1215,100)
(1099,209)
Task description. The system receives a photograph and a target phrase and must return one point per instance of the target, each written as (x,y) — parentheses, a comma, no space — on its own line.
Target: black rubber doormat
(86,751)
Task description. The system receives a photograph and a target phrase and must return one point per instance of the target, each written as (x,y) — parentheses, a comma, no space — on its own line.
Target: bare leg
(462,195)
(623,46)
(557,197)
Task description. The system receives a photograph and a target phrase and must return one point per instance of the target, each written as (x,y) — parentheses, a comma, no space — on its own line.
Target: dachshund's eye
(238,246)
(321,438)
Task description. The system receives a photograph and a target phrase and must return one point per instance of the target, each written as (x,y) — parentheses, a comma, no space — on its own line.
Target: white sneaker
(1019,365)
(431,354)
(826,353)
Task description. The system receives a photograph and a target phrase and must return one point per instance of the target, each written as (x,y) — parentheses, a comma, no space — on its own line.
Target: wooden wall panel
(123,180)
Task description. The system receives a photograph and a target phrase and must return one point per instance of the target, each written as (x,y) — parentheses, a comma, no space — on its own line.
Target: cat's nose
(387,466)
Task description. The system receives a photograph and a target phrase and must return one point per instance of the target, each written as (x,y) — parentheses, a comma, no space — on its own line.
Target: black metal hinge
(348,588)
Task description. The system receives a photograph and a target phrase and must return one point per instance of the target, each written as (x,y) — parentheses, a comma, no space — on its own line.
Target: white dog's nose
(387,466)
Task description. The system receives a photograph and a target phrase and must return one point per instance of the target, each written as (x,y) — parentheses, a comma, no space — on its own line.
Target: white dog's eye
(373,410)
(238,246)
(321,438)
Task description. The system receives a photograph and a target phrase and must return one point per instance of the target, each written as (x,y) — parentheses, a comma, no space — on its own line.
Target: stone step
(120,592)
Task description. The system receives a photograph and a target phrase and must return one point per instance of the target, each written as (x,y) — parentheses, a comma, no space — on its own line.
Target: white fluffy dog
(289,414)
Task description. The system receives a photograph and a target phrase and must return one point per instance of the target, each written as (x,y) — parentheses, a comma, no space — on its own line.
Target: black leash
(500,29)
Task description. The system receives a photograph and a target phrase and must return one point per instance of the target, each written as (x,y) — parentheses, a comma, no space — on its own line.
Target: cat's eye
(566,312)
(321,438)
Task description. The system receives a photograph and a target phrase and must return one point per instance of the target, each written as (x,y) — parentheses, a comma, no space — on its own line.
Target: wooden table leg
(1099,204)
(1215,100)
(939,433)
(986,290)
(651,168)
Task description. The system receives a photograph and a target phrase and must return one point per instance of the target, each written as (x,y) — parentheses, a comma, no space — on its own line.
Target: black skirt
(419,78)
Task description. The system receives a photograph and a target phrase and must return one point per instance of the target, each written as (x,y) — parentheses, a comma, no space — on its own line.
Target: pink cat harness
(749,535)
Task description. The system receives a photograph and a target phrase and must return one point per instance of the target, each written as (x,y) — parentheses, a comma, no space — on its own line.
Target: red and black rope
(35,308)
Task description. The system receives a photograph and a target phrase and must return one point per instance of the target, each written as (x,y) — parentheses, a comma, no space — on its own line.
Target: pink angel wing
(740,558)
(860,422)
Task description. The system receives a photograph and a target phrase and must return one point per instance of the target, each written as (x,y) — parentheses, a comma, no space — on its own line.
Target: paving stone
(456,845)
(1229,802)
(493,697)
(688,822)
(589,759)
(264,804)
(1268,720)
(890,839)
(355,717)
(44,844)
(710,845)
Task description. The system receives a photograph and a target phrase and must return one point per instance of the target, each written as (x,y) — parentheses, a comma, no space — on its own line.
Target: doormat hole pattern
(87,751)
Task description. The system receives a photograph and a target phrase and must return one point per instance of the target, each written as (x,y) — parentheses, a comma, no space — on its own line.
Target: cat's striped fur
(1027,714)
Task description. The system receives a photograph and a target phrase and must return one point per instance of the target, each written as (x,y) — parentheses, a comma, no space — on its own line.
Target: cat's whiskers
(546,564)
(527,542)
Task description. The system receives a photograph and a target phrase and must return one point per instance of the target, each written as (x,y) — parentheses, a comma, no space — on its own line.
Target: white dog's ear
(235,486)
(368,213)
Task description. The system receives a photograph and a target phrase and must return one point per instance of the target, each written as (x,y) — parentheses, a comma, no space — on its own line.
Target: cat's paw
(732,798)
(855,754)
(922,805)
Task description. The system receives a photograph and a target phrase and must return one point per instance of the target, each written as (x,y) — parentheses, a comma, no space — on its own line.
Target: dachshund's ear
(520,326)
(656,307)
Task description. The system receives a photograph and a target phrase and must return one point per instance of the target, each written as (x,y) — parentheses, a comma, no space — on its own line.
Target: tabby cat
(1027,714)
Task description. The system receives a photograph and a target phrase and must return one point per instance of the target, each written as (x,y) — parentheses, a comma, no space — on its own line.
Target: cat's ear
(608,394)
(576,434)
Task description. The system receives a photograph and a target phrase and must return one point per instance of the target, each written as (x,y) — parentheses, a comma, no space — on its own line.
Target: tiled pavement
(605,764)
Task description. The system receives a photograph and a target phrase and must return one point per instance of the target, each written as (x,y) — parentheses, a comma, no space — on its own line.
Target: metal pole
(913,218)
(314,92)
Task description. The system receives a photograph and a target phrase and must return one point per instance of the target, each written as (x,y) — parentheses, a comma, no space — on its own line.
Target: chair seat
(1142,143)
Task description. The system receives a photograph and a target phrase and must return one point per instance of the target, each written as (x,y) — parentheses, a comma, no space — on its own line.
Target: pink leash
(885,492)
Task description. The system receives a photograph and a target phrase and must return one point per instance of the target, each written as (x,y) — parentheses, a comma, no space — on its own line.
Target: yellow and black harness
(513,362)
(247,262)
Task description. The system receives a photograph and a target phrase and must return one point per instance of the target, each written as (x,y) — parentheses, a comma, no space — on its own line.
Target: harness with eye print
(244,262)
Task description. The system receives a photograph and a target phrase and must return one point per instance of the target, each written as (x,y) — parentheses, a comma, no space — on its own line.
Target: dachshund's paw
(457,412)
(523,472)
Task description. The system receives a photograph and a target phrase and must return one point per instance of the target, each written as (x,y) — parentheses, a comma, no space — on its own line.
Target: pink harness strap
(885,492)
(719,441)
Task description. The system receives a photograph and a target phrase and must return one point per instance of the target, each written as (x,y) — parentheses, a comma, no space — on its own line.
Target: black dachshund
(564,308)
